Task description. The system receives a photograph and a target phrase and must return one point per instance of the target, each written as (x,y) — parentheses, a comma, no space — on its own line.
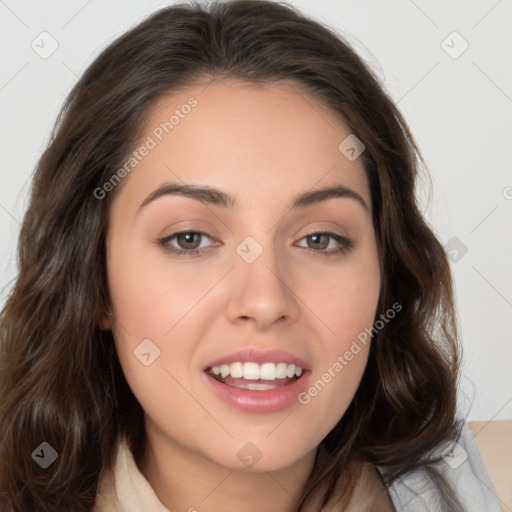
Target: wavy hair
(60,378)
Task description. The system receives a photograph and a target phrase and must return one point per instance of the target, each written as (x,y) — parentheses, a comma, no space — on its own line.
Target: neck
(184,480)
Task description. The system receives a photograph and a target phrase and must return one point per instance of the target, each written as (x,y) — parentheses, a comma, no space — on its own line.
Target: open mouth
(255,377)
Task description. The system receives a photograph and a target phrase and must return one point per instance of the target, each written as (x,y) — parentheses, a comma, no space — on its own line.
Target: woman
(302,356)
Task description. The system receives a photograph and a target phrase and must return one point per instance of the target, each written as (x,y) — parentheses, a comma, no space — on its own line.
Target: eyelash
(346,244)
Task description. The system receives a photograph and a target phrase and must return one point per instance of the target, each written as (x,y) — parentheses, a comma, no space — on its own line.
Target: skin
(264,145)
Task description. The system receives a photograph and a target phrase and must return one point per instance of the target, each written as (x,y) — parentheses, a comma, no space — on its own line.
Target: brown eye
(319,242)
(188,242)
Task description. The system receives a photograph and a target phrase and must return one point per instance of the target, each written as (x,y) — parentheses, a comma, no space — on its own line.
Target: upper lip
(259,356)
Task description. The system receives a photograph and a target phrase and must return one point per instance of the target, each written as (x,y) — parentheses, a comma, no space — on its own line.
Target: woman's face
(264,289)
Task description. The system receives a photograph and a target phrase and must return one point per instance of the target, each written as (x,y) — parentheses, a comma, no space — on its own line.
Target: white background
(459,109)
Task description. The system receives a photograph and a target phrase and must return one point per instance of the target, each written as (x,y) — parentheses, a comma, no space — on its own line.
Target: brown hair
(60,378)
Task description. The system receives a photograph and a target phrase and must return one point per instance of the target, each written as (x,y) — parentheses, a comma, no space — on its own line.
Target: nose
(262,292)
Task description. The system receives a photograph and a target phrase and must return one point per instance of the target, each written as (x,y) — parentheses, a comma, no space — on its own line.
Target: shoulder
(459,463)
(494,440)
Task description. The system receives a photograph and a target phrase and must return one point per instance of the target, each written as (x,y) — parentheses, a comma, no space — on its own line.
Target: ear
(105,321)
(106,324)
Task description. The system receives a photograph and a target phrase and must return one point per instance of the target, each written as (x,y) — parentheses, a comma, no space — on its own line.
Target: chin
(258,456)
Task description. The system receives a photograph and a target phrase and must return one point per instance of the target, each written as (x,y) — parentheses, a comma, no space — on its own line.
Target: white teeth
(281,370)
(224,370)
(255,371)
(251,371)
(291,371)
(256,386)
(268,371)
(236,370)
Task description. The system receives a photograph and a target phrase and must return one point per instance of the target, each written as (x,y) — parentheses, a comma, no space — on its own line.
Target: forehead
(246,138)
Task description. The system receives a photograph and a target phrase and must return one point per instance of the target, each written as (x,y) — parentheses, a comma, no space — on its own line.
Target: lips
(258,381)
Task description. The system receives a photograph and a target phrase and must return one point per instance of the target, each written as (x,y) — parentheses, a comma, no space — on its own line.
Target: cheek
(345,296)
(158,311)
(155,312)
(343,354)
(346,301)
(150,297)
(354,303)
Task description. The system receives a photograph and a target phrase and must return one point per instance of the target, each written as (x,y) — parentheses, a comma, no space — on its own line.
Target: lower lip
(271,400)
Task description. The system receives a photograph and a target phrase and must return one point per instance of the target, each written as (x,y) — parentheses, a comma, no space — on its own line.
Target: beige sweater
(126,489)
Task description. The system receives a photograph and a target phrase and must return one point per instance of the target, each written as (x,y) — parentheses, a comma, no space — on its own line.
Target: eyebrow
(217,197)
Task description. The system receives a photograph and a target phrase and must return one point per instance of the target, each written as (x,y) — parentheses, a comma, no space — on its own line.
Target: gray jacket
(464,470)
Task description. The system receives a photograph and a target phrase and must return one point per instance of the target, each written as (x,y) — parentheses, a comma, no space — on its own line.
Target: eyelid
(164,240)
(346,243)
